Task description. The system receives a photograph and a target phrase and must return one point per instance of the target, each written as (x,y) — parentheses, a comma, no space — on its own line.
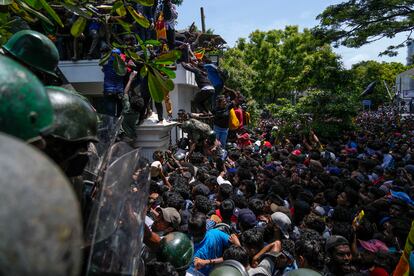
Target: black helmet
(75,118)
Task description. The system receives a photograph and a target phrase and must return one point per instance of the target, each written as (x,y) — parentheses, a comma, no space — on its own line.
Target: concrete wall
(87,77)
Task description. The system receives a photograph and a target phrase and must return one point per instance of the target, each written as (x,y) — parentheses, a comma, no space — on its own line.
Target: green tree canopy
(365,72)
(277,63)
(354,23)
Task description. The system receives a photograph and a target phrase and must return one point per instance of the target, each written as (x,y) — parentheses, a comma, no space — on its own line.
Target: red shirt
(239,115)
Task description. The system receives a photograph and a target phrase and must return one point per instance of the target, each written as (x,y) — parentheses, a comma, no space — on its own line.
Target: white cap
(221,180)
(283,222)
(155,168)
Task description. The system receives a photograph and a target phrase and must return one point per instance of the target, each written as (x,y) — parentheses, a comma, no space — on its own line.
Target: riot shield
(108,130)
(114,232)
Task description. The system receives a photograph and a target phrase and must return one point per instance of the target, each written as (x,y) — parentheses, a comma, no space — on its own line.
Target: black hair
(203,204)
(244,174)
(175,200)
(181,186)
(160,269)
(257,206)
(365,230)
(278,186)
(342,229)
(237,253)
(250,187)
(157,155)
(225,190)
(197,222)
(240,201)
(314,222)
(330,196)
(342,214)
(252,238)
(302,208)
(312,251)
(199,189)
(352,196)
(289,246)
(226,209)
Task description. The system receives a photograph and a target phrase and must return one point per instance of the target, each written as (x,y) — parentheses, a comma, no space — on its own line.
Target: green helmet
(177,249)
(34,49)
(75,118)
(303,272)
(25,109)
(229,268)
(41,224)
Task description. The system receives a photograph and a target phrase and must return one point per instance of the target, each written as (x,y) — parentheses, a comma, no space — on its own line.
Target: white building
(86,77)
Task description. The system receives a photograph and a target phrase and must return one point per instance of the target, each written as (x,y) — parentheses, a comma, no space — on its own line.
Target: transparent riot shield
(114,232)
(108,130)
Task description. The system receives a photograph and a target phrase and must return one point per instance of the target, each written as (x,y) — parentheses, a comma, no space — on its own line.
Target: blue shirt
(213,75)
(113,83)
(211,247)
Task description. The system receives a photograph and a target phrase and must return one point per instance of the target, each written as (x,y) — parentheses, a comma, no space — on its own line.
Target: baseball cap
(221,180)
(267,144)
(247,217)
(334,241)
(283,222)
(155,168)
(374,246)
(171,215)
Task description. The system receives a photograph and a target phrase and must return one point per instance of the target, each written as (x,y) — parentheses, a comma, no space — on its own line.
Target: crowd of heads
(338,207)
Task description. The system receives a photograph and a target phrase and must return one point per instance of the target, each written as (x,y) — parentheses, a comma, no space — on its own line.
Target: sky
(233,19)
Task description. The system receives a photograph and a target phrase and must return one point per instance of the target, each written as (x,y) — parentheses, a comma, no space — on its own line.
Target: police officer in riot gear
(36,52)
(25,108)
(75,127)
(41,230)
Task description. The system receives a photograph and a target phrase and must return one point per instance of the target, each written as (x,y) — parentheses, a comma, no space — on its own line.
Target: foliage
(277,63)
(365,72)
(154,67)
(331,111)
(354,23)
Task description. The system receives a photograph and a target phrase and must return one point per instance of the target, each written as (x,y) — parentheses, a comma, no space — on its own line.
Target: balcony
(87,77)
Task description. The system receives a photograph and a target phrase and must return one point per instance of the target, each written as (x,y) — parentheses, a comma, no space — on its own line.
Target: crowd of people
(231,199)
(337,207)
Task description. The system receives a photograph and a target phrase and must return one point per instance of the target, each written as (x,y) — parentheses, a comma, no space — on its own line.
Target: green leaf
(170,73)
(152,42)
(119,65)
(5,2)
(37,14)
(77,10)
(134,56)
(117,5)
(35,4)
(126,26)
(138,17)
(117,45)
(165,82)
(171,56)
(143,72)
(78,26)
(156,90)
(147,3)
(51,12)
(70,2)
(120,8)
(105,58)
